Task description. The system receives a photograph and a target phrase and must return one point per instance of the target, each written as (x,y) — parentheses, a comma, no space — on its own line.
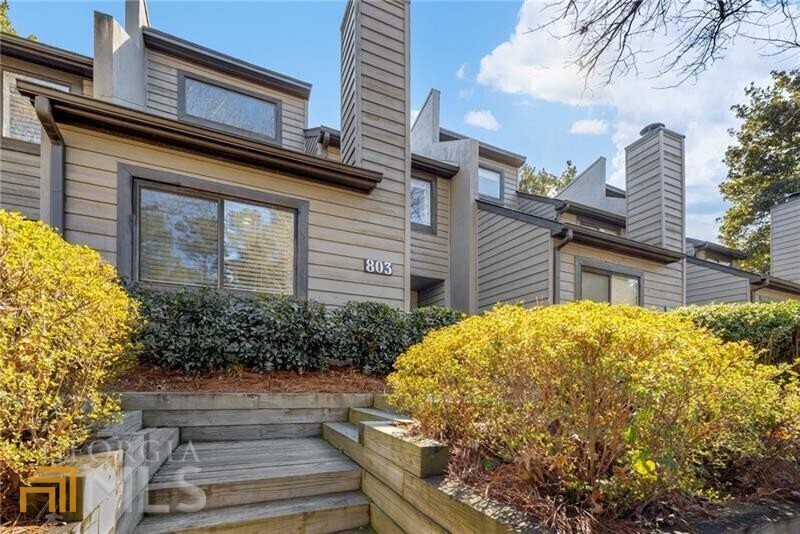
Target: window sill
(17,145)
(423,228)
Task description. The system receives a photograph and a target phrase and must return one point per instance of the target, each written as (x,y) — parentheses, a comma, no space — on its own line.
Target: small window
(604,286)
(19,118)
(490,183)
(198,240)
(237,111)
(421,202)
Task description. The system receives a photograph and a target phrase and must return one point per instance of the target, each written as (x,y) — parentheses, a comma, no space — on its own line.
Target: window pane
(19,118)
(594,286)
(488,183)
(624,290)
(259,248)
(234,109)
(178,239)
(421,201)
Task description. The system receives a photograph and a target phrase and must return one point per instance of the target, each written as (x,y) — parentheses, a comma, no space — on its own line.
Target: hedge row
(772,328)
(198,330)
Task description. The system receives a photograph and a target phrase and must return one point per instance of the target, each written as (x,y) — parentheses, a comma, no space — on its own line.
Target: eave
(433,166)
(77,110)
(485,149)
(715,247)
(46,55)
(757,281)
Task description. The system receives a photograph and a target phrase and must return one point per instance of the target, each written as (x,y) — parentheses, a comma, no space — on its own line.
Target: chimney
(785,242)
(655,184)
(119,56)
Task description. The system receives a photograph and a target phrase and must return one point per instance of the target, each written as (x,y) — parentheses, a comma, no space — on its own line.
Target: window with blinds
(214,241)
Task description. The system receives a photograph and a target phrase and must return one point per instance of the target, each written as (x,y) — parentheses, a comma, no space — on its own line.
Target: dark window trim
(602,267)
(494,168)
(428,228)
(128,179)
(186,117)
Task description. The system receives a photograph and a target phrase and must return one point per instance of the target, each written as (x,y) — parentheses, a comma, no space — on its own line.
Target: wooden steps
(323,513)
(362,415)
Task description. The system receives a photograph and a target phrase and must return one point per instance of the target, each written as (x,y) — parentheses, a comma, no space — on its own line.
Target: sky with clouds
(499,83)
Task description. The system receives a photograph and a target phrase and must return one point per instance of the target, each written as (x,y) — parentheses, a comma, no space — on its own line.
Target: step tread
(348,430)
(249,513)
(382,415)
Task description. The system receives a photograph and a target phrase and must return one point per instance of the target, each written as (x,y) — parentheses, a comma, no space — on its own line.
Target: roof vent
(651,127)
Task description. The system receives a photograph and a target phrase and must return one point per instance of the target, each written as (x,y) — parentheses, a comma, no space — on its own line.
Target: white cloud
(589,127)
(540,65)
(461,73)
(482,119)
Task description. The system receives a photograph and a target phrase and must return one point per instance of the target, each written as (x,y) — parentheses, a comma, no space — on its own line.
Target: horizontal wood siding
(786,241)
(704,285)
(350,69)
(162,95)
(344,227)
(435,295)
(769,294)
(513,261)
(663,284)
(536,207)
(19,182)
(430,253)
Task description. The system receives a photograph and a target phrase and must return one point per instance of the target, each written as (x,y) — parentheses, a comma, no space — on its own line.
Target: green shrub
(773,328)
(615,406)
(65,327)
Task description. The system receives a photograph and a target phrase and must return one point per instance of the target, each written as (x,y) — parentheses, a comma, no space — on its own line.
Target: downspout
(755,286)
(51,186)
(569,235)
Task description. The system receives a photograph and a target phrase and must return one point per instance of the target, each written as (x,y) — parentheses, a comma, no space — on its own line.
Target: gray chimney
(119,56)
(785,244)
(655,185)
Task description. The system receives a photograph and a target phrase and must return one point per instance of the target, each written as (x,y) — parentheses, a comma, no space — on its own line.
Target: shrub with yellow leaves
(65,328)
(611,407)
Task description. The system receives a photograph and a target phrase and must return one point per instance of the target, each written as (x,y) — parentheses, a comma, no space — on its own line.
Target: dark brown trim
(601,215)
(439,168)
(200,55)
(428,228)
(501,172)
(128,178)
(699,244)
(98,115)
(607,269)
(200,121)
(485,150)
(46,55)
(555,227)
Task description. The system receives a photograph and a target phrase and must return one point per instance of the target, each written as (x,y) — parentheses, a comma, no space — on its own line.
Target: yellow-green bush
(65,325)
(603,404)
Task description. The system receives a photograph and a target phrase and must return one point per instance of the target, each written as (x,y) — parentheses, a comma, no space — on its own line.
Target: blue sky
(478,55)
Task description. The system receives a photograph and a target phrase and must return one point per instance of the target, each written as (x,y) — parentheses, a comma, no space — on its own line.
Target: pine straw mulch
(148,377)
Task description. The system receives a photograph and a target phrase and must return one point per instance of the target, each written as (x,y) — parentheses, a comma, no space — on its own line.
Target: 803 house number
(378,267)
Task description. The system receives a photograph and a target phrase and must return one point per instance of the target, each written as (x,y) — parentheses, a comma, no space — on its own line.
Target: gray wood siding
(769,294)
(350,74)
(663,284)
(434,295)
(162,95)
(704,285)
(344,227)
(536,207)
(430,253)
(514,260)
(786,241)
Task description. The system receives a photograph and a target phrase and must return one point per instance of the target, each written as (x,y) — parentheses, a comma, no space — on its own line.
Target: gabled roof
(577,208)
(46,55)
(485,149)
(699,244)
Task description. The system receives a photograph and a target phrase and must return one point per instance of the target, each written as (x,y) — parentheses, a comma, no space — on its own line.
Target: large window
(198,239)
(490,183)
(217,105)
(422,204)
(19,118)
(606,286)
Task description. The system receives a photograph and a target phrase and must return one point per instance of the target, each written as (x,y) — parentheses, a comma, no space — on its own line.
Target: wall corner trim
(51,177)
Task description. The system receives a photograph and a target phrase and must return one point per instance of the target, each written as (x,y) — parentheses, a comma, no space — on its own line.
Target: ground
(146,377)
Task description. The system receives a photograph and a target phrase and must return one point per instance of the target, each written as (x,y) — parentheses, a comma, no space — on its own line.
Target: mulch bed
(147,377)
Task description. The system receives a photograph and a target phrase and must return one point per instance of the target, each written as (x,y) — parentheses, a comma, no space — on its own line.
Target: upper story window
(606,286)
(422,208)
(217,105)
(19,118)
(490,183)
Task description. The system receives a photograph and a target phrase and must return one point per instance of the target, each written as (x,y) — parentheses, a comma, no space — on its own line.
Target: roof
(699,244)
(46,55)
(578,208)
(761,280)
(485,149)
(177,47)
(588,236)
(69,108)
(614,191)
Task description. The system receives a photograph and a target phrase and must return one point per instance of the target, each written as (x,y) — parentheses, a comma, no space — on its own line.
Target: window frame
(425,228)
(131,179)
(207,123)
(502,176)
(608,269)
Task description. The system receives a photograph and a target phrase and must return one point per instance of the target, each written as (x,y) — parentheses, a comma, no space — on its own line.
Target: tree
(763,165)
(610,35)
(5,22)
(541,182)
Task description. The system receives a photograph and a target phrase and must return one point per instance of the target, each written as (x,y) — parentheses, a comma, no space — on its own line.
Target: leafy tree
(541,182)
(764,165)
(5,22)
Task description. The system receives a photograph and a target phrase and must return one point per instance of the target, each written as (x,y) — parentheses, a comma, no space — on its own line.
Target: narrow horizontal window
(19,118)
(421,194)
(489,183)
(616,288)
(232,110)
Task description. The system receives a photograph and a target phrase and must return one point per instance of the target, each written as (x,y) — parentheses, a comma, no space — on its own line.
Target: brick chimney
(655,184)
(785,243)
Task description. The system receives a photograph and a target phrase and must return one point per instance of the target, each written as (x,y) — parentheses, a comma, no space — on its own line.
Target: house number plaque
(378,267)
